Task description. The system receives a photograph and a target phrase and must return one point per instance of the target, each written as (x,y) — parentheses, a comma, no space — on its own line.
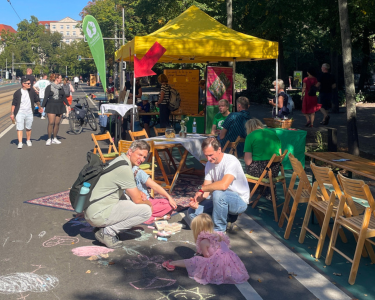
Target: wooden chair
(137,135)
(233,146)
(300,195)
(269,182)
(161,131)
(111,152)
(327,205)
(361,225)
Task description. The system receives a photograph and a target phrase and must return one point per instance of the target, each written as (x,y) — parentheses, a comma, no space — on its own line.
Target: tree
(351,113)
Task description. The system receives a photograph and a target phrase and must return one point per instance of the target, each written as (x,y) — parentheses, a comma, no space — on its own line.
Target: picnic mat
(185,188)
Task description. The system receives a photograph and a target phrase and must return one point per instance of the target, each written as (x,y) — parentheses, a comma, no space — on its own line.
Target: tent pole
(134,92)
(234,85)
(277,86)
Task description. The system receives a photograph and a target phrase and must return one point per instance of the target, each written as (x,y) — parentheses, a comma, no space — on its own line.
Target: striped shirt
(166,89)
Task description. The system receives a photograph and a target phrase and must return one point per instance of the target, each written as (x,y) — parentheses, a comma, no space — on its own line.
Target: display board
(186,82)
(219,85)
(297,79)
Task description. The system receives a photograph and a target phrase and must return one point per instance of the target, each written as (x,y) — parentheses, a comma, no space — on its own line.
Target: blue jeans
(43,113)
(220,204)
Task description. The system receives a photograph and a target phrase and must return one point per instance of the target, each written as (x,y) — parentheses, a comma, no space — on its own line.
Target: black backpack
(91,173)
(66,88)
(174,99)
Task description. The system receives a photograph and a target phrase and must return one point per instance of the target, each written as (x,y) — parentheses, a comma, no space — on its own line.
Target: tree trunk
(366,48)
(229,14)
(351,113)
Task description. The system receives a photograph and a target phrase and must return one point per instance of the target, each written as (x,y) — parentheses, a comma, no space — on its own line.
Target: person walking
(309,99)
(40,88)
(22,110)
(54,99)
(326,83)
(164,100)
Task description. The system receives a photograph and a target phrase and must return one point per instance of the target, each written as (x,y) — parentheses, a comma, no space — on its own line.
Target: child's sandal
(168,266)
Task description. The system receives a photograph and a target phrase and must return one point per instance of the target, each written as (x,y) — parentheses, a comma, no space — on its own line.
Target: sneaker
(48,143)
(56,141)
(110,241)
(20,146)
(43,118)
(28,142)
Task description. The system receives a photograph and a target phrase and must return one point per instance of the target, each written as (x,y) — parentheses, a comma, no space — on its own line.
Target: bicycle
(81,115)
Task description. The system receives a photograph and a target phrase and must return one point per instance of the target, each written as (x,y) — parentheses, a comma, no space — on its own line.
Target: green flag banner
(94,38)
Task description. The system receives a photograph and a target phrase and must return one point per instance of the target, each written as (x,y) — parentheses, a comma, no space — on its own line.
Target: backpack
(80,112)
(66,88)
(91,173)
(174,99)
(290,104)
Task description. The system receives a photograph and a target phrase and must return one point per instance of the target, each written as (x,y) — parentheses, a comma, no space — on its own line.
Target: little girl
(161,208)
(218,265)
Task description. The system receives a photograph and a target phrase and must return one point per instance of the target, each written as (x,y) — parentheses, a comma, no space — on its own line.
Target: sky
(44,10)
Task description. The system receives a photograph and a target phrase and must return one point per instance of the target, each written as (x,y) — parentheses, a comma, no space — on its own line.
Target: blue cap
(86,184)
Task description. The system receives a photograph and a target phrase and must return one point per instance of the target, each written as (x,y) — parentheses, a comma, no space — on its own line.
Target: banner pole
(234,85)
(134,92)
(277,86)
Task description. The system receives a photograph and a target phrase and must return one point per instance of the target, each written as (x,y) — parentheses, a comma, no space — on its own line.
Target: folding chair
(269,182)
(233,146)
(300,195)
(137,135)
(361,225)
(327,205)
(112,151)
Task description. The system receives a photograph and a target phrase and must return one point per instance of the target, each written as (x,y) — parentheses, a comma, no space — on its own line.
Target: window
(61,26)
(67,27)
(67,41)
(74,33)
(61,32)
(67,33)
(47,26)
(53,26)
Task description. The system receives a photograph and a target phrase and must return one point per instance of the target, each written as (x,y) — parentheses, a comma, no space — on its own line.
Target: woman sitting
(260,145)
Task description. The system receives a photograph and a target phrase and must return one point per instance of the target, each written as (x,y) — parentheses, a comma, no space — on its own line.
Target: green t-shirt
(219,121)
(262,143)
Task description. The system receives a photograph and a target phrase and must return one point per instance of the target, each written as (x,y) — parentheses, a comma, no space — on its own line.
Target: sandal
(167,266)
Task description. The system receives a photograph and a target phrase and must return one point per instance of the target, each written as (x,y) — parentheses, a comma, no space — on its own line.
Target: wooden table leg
(161,167)
(180,166)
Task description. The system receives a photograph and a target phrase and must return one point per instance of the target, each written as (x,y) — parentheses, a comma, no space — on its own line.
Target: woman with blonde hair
(260,145)
(164,100)
(216,264)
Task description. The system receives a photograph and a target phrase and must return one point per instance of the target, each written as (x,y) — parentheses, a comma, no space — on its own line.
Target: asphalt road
(36,242)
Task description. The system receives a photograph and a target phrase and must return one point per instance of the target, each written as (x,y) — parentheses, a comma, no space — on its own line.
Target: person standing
(22,110)
(54,99)
(326,83)
(76,81)
(39,88)
(31,77)
(68,90)
(111,89)
(164,100)
(310,102)
(220,117)
(282,99)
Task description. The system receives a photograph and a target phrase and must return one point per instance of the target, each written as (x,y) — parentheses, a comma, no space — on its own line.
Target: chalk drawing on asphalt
(91,250)
(152,283)
(131,250)
(60,240)
(182,293)
(42,234)
(142,261)
(144,235)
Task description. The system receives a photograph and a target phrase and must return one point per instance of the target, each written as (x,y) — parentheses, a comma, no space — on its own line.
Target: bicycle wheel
(91,120)
(75,123)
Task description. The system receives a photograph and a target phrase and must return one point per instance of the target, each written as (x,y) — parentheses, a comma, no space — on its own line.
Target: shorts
(325,99)
(110,96)
(24,120)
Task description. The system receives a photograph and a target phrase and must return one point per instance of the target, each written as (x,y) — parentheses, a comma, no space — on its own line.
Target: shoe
(56,141)
(110,241)
(230,226)
(20,146)
(307,124)
(43,118)
(48,143)
(269,197)
(167,266)
(28,143)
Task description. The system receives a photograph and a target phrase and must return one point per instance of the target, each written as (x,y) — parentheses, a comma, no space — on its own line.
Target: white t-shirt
(25,106)
(229,165)
(76,79)
(41,86)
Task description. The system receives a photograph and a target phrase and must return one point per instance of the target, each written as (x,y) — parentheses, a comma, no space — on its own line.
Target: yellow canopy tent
(194,36)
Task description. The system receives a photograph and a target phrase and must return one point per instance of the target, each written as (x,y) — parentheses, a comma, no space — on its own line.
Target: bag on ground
(174,100)
(91,173)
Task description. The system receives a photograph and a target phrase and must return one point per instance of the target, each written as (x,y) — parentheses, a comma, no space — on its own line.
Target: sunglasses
(27,83)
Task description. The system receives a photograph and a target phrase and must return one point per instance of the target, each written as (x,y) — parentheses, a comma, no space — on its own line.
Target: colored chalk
(151,227)
(162,239)
(155,231)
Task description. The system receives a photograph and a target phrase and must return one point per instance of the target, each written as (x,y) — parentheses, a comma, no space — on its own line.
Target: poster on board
(219,85)
(186,82)
(297,79)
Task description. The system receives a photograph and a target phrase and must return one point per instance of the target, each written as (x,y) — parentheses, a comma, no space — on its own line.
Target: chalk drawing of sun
(183,294)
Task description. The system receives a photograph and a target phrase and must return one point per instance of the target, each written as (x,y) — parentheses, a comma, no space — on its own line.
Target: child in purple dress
(218,265)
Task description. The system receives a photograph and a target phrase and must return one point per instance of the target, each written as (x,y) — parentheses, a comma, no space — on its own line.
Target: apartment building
(67,27)
(5,28)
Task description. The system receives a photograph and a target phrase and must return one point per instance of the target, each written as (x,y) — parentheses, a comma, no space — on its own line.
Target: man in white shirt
(76,81)
(39,88)
(225,192)
(23,103)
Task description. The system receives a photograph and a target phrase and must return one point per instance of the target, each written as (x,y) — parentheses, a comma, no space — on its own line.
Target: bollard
(332,139)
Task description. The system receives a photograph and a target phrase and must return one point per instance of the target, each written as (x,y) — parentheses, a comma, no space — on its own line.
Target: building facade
(67,27)
(8,28)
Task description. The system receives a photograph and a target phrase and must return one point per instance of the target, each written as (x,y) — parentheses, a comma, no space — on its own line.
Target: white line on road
(6,130)
(311,279)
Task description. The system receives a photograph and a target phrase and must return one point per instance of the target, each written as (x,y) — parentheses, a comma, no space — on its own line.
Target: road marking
(6,130)
(311,279)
